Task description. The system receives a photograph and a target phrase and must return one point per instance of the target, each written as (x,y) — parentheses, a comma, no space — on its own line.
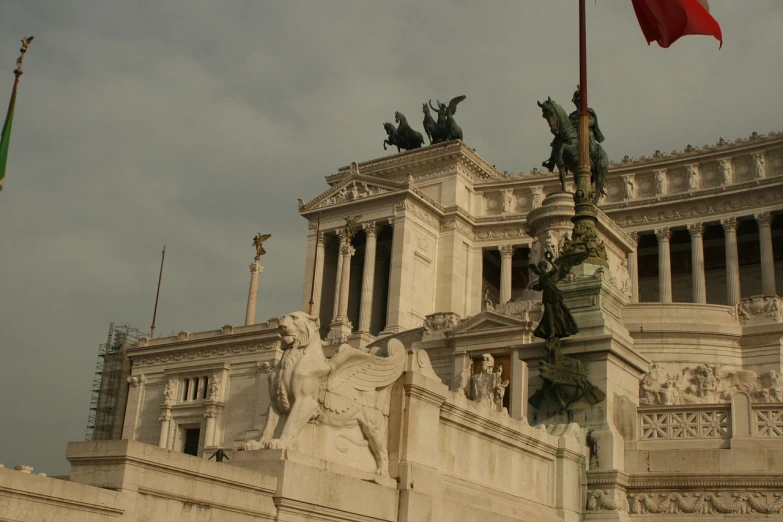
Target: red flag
(665,21)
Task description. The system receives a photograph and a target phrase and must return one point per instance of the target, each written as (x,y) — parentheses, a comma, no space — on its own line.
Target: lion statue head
(298,329)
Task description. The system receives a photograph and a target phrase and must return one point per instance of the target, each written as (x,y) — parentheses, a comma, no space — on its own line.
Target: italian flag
(665,21)
(5,138)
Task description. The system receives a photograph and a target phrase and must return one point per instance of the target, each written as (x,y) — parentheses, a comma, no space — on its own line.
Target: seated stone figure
(487,386)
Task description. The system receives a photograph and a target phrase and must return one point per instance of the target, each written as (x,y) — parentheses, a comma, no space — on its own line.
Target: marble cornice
(422,159)
(712,479)
(704,206)
(607,478)
(186,350)
(697,154)
(421,393)
(467,419)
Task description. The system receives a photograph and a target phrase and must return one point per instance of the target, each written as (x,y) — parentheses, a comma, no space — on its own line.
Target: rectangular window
(190,447)
(185,395)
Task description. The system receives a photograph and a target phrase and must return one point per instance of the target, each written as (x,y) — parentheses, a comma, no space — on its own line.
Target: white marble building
(682,330)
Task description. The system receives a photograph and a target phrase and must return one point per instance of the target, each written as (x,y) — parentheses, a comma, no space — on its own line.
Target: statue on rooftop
(403,136)
(445,128)
(565,146)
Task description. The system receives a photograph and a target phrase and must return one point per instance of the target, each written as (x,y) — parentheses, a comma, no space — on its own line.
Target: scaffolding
(109,387)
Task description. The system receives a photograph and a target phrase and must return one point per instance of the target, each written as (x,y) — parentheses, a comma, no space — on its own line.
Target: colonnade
(698,277)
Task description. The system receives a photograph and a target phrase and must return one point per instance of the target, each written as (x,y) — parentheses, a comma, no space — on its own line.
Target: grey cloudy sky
(198,123)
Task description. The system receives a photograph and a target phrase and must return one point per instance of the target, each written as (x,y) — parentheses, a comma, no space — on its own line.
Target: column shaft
(506,254)
(368,279)
(165,419)
(338,277)
(345,282)
(633,269)
(209,436)
(252,295)
(319,274)
(767,256)
(664,265)
(732,261)
(697,263)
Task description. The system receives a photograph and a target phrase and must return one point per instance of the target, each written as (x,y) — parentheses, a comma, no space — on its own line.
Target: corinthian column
(633,268)
(252,296)
(165,420)
(732,261)
(368,278)
(319,273)
(697,261)
(506,253)
(767,257)
(664,265)
(338,275)
(345,283)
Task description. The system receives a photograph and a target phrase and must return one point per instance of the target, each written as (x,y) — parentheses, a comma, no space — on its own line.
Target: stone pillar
(209,436)
(252,296)
(338,276)
(732,261)
(506,253)
(517,403)
(165,422)
(697,263)
(764,220)
(368,278)
(319,273)
(664,265)
(345,282)
(633,268)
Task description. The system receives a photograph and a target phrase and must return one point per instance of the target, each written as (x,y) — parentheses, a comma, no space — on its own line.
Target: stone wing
(363,371)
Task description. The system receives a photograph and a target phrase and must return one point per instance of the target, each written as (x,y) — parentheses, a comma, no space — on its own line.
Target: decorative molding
(720,145)
(696,229)
(706,503)
(205,353)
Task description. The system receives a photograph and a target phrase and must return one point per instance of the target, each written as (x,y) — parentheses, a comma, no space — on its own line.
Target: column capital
(347,250)
(321,239)
(696,229)
(764,219)
(729,224)
(663,234)
(506,250)
(256,267)
(635,237)
(370,229)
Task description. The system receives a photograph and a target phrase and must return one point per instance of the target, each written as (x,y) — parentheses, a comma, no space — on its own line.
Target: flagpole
(584,118)
(157,295)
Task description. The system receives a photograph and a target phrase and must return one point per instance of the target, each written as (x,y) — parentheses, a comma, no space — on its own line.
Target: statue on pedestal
(565,379)
(565,146)
(258,243)
(488,386)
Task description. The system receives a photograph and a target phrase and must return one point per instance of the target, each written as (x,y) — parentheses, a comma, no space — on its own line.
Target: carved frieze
(705,503)
(500,233)
(203,353)
(707,384)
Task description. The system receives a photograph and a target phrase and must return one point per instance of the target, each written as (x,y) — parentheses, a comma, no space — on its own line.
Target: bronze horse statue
(565,150)
(403,136)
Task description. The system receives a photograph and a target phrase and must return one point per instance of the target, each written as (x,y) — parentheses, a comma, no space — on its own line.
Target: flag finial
(25,44)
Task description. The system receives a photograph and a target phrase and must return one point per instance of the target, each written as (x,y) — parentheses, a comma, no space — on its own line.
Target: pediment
(353,188)
(486,320)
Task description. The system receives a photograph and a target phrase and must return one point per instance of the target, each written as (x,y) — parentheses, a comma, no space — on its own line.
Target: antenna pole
(315,262)
(157,295)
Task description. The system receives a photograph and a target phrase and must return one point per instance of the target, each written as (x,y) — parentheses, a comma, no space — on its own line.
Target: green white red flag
(666,21)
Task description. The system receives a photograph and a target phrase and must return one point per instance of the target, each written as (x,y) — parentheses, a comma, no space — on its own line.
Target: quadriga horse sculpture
(402,137)
(565,150)
(352,388)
